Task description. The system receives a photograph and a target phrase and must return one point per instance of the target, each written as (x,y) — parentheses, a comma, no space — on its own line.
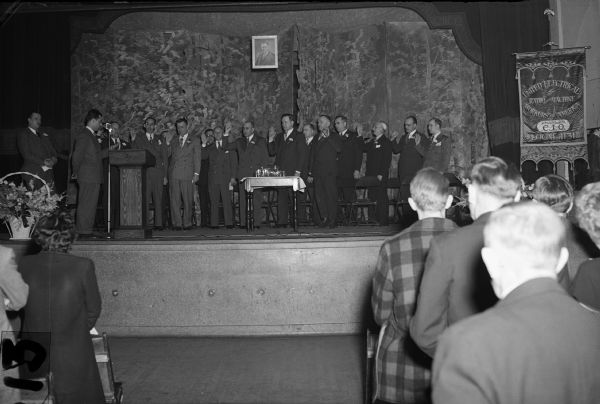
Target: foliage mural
(378,72)
(388,71)
(131,75)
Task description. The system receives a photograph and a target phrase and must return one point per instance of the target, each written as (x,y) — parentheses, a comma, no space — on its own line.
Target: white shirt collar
(185,137)
(149,135)
(412,134)
(250,138)
(91,130)
(344,132)
(32,130)
(289,132)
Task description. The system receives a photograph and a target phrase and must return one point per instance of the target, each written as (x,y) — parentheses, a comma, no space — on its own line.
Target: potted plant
(21,207)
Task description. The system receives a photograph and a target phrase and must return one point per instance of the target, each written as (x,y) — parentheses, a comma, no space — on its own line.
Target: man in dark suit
(38,153)
(537,345)
(412,147)
(455,283)
(87,168)
(266,57)
(309,132)
(113,140)
(207,139)
(252,154)
(348,164)
(324,171)
(222,166)
(379,158)
(290,151)
(156,176)
(184,172)
(439,150)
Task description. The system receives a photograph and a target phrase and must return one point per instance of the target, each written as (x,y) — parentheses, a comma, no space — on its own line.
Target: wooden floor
(308,369)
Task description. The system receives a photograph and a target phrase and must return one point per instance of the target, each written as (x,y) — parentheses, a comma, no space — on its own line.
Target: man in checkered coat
(403,370)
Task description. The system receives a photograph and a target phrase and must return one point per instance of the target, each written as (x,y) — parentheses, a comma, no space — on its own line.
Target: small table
(252,183)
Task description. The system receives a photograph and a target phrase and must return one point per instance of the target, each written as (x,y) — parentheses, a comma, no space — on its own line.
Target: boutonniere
(252,142)
(99,140)
(188,141)
(290,139)
(45,134)
(159,142)
(437,143)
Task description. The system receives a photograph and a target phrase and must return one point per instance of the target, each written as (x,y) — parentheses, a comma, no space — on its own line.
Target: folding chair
(363,202)
(113,391)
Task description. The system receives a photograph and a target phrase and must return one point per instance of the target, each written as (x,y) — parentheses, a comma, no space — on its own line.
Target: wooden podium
(132,182)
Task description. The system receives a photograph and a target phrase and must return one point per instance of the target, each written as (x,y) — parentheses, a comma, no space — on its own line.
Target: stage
(228,282)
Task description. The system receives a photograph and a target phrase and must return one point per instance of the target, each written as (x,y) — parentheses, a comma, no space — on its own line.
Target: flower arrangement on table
(21,207)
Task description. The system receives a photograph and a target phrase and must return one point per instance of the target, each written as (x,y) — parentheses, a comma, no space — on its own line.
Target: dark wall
(35,75)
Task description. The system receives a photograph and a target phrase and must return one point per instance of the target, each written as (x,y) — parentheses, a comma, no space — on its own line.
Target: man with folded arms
(537,345)
(455,283)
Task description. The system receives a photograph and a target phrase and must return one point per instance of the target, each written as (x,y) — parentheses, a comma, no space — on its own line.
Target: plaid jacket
(403,370)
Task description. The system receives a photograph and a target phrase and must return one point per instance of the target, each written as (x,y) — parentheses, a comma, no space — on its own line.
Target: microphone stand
(109,213)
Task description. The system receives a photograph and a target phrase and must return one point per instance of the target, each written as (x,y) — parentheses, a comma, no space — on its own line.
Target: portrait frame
(266,58)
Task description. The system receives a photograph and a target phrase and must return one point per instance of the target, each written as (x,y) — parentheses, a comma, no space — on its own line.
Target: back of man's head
(554,191)
(429,190)
(587,208)
(523,241)
(495,177)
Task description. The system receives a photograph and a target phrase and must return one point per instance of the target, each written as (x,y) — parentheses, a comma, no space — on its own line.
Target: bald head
(523,241)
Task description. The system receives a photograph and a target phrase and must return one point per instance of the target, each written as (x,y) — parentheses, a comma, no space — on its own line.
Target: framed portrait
(264,52)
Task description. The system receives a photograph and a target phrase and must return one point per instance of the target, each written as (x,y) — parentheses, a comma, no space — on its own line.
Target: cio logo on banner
(558,125)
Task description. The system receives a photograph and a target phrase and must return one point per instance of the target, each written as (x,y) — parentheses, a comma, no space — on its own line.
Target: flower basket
(20,207)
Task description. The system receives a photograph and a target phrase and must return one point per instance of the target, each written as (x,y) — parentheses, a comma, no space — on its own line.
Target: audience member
(111,140)
(412,147)
(13,296)
(37,152)
(87,168)
(556,192)
(184,172)
(403,370)
(156,175)
(323,169)
(537,345)
(13,291)
(252,154)
(207,138)
(222,168)
(349,163)
(290,151)
(64,301)
(455,283)
(586,284)
(379,158)
(439,149)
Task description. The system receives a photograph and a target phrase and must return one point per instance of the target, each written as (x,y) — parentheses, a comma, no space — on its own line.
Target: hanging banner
(552,101)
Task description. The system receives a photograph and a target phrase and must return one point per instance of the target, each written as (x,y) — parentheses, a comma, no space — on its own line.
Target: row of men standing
(330,160)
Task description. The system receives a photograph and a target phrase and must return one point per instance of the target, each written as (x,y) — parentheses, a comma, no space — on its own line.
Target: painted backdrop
(129,75)
(389,71)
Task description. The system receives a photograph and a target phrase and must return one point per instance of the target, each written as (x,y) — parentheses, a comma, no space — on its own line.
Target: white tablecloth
(251,183)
